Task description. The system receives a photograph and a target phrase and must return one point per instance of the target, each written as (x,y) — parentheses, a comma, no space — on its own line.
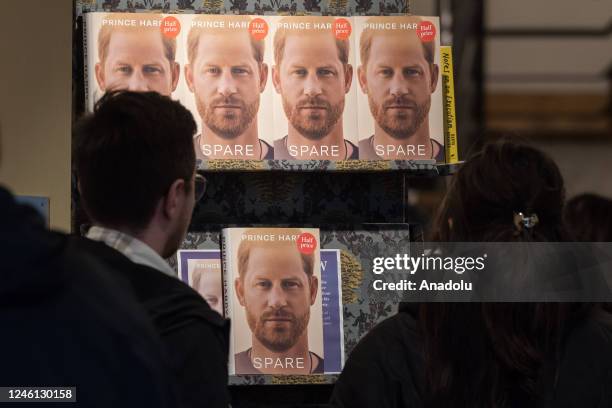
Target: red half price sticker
(258,28)
(342,28)
(426,31)
(170,27)
(306,243)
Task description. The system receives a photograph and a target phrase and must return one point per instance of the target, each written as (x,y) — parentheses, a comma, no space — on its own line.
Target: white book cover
(274,299)
(399,103)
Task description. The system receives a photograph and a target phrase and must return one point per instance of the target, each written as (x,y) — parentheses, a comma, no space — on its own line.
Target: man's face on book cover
(207,281)
(136,60)
(227,82)
(313,83)
(277,295)
(399,82)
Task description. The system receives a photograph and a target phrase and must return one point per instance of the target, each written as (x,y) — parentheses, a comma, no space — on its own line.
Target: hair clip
(522,221)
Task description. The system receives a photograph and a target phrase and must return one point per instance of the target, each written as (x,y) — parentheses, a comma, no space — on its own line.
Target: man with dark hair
(135,165)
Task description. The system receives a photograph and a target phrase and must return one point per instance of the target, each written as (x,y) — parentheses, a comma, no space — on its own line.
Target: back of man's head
(127,154)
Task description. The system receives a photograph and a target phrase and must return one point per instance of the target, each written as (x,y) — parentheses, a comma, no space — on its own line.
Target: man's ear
(189,77)
(435,72)
(348,77)
(276,78)
(239,286)
(314,288)
(100,76)
(263,76)
(173,200)
(176,73)
(363,81)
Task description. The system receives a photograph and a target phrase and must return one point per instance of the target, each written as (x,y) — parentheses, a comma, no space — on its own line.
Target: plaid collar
(133,248)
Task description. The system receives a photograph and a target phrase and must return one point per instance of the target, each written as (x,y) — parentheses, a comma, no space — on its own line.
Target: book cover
(314,99)
(201,269)
(450,118)
(281,87)
(228,86)
(135,51)
(274,299)
(333,324)
(400,114)
(213,64)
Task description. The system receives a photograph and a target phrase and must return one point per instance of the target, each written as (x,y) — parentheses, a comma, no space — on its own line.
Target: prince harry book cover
(400,109)
(272,278)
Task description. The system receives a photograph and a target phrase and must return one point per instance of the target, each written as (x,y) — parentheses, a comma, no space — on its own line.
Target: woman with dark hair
(484,355)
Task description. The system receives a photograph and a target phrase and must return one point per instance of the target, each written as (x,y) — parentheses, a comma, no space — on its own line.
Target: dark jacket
(385,370)
(66,323)
(196,338)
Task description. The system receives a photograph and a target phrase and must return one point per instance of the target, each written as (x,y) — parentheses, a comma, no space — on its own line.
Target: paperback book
(273,287)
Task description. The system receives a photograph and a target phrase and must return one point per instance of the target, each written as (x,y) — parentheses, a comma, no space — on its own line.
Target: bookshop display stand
(360,207)
(361,212)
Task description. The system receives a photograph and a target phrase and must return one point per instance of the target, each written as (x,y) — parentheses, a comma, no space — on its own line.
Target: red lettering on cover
(342,28)
(170,27)
(426,31)
(306,243)
(258,28)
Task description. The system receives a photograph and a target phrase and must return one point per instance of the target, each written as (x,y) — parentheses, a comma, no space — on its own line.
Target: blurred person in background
(589,218)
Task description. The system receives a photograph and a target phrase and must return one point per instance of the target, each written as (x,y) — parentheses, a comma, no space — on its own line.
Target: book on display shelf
(283,302)
(201,269)
(343,91)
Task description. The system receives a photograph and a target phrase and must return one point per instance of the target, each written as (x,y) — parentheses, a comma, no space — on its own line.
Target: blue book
(331,288)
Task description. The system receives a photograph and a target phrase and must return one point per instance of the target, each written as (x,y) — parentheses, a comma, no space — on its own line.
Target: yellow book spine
(448,89)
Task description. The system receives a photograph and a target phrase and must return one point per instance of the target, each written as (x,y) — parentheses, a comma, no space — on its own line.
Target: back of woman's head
(589,218)
(497,183)
(491,354)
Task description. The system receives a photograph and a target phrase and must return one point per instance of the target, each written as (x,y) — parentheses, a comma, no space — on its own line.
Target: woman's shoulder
(383,368)
(396,333)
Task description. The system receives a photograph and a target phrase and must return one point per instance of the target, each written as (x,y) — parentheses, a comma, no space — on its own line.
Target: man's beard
(279,338)
(400,124)
(319,122)
(232,123)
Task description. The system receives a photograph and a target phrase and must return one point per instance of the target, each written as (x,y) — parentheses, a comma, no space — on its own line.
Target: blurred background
(537,70)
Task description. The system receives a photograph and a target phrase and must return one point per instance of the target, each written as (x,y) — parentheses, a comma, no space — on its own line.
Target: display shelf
(411,167)
(312,193)
(414,167)
(363,307)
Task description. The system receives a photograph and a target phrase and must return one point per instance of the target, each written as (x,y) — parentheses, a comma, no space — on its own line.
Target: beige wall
(35,102)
